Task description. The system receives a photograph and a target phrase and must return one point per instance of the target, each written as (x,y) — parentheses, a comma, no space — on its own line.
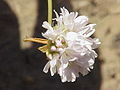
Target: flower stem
(50,11)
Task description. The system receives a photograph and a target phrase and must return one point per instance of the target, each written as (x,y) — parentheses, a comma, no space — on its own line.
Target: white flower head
(70,48)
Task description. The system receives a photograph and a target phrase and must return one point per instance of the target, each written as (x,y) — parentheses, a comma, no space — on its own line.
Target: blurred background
(21,64)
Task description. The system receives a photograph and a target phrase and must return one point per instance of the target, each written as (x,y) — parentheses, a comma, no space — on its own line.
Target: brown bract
(37,40)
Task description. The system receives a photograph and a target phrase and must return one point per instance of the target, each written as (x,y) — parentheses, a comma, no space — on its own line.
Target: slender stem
(50,11)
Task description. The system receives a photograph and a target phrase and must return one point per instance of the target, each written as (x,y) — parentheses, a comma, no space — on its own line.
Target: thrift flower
(70,48)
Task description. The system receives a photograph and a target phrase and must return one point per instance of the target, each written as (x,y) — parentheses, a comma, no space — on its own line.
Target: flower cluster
(70,48)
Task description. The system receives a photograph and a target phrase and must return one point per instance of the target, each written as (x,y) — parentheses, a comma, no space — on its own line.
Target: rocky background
(21,63)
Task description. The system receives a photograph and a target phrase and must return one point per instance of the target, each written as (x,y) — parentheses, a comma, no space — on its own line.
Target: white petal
(84,71)
(60,71)
(87,30)
(89,47)
(64,60)
(88,34)
(96,43)
(69,25)
(82,20)
(49,34)
(47,25)
(65,65)
(71,17)
(53,63)
(73,77)
(91,62)
(71,36)
(46,68)
(52,70)
(93,54)
(88,69)
(57,16)
(64,11)
(73,59)
(64,79)
(91,67)
(75,15)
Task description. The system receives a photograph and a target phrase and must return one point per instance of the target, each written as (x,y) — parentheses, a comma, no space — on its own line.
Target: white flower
(70,47)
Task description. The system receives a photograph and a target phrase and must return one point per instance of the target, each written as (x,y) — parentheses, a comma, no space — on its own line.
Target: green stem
(50,11)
